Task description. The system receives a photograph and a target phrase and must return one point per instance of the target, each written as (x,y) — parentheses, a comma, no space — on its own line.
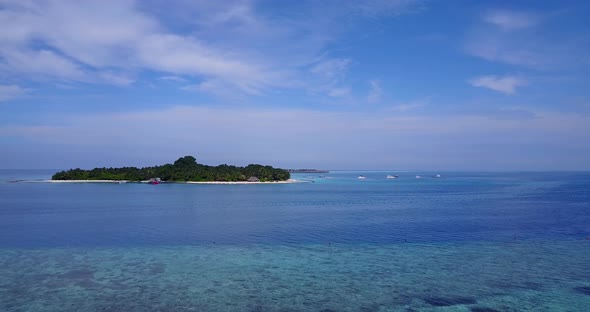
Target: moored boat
(154,181)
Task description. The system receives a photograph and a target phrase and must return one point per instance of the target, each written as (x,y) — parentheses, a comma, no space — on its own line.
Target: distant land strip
(307,171)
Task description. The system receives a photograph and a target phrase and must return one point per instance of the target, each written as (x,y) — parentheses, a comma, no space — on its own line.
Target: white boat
(391,176)
(437,176)
(418,177)
(362,177)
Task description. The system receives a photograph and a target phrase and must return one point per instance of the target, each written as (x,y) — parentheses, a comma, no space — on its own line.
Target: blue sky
(400,84)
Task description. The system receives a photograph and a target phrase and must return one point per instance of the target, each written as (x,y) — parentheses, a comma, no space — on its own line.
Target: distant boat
(418,177)
(362,177)
(392,176)
(436,176)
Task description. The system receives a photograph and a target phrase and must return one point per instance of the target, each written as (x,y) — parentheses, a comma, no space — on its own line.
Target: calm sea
(477,242)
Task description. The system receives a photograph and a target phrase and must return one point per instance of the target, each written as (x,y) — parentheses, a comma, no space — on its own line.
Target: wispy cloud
(409,106)
(511,20)
(506,84)
(525,52)
(379,8)
(328,76)
(229,43)
(217,87)
(79,41)
(172,78)
(339,92)
(332,69)
(519,38)
(375,91)
(8,92)
(40,64)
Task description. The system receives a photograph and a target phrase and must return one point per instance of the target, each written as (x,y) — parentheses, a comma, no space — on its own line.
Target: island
(185,169)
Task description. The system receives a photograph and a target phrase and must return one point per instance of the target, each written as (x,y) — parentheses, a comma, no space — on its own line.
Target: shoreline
(240,182)
(187,182)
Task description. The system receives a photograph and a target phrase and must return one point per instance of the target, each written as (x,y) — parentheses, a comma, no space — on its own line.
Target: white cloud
(47,65)
(332,69)
(375,92)
(115,79)
(89,41)
(172,78)
(506,84)
(521,51)
(380,8)
(181,55)
(518,38)
(409,106)
(328,76)
(8,92)
(228,42)
(339,92)
(511,20)
(215,86)
(40,63)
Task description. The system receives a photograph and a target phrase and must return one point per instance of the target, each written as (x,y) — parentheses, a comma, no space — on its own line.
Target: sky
(376,84)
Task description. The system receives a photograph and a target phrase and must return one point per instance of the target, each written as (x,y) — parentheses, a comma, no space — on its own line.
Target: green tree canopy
(184,169)
(186,161)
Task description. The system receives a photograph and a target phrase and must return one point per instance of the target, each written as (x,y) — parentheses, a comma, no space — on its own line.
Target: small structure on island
(253,179)
(154,181)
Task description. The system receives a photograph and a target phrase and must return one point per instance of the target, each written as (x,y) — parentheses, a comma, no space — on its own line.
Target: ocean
(479,242)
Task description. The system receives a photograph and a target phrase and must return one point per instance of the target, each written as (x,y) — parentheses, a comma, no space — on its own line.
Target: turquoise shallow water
(466,242)
(531,276)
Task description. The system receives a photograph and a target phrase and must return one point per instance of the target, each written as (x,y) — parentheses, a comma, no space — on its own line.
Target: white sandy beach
(243,182)
(188,182)
(81,181)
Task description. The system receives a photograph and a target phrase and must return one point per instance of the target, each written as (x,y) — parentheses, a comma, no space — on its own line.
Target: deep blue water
(466,241)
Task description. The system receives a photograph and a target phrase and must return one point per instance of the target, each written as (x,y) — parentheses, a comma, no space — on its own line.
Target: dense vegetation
(184,169)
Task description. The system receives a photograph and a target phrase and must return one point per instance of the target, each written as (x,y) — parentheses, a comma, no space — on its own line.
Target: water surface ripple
(464,242)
